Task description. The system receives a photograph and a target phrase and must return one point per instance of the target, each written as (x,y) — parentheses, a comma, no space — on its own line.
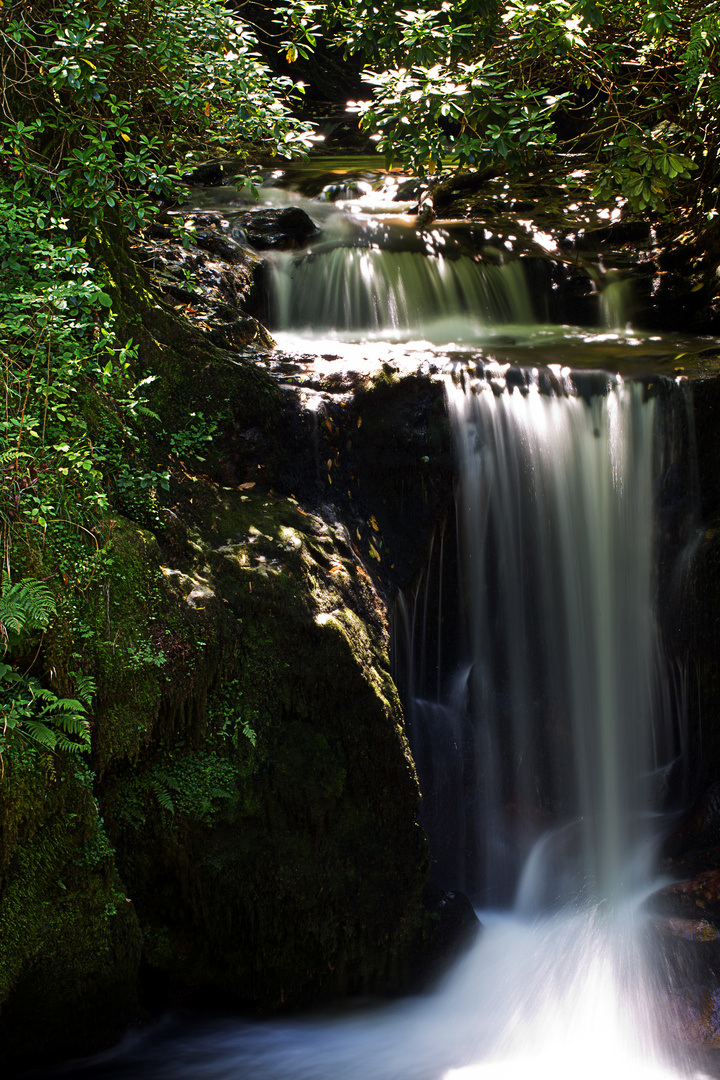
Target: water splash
(557,537)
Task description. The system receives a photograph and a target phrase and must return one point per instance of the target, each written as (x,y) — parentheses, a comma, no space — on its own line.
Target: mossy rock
(272,846)
(71,941)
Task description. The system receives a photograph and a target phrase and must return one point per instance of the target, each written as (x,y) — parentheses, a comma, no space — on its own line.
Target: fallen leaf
(245,487)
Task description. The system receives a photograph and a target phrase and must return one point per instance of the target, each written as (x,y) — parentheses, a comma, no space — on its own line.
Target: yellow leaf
(358,534)
(207,108)
(374,553)
(374,523)
(359,421)
(86,61)
(125,137)
(291,54)
(329,464)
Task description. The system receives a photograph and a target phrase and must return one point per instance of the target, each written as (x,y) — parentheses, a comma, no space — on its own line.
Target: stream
(549,732)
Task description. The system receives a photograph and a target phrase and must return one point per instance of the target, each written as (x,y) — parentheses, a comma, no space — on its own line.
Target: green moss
(198,785)
(303,875)
(71,943)
(112,631)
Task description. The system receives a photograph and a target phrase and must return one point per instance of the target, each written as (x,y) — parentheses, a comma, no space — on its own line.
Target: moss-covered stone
(70,937)
(272,848)
(258,797)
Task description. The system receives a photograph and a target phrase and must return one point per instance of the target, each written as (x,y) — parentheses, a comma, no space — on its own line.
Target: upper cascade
(395,293)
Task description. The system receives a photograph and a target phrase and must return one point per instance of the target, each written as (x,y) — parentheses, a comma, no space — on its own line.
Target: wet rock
(410,189)
(238,333)
(676,257)
(295,648)
(287,229)
(454,927)
(209,174)
(616,233)
(692,898)
(212,280)
(697,835)
(220,246)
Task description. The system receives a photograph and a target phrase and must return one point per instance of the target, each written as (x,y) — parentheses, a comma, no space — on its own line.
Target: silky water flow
(551,743)
(542,722)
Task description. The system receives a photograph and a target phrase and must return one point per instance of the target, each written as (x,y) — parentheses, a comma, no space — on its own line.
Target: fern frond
(142,410)
(12,615)
(72,724)
(40,733)
(26,605)
(85,687)
(70,747)
(13,455)
(162,795)
(56,704)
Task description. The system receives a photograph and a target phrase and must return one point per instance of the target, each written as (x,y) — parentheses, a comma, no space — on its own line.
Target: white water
(565,690)
(395,294)
(550,998)
(563,694)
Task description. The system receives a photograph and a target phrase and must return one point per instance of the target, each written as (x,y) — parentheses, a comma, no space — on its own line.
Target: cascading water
(559,702)
(394,293)
(542,719)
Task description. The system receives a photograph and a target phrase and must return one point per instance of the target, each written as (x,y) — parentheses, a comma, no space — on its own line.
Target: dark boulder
(287,229)
(453,929)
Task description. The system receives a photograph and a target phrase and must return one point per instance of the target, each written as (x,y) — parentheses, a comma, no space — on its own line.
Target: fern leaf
(85,687)
(70,747)
(163,796)
(40,733)
(26,605)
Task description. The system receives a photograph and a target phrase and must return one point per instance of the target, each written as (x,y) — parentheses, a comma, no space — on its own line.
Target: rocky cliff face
(246,827)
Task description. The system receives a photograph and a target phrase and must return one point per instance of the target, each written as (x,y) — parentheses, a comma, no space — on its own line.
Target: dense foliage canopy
(478,83)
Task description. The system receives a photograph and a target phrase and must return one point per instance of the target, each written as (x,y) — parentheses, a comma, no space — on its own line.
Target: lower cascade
(545,744)
(551,740)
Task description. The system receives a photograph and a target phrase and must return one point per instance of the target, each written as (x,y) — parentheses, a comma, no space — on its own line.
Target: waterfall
(616,303)
(543,721)
(393,292)
(555,725)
